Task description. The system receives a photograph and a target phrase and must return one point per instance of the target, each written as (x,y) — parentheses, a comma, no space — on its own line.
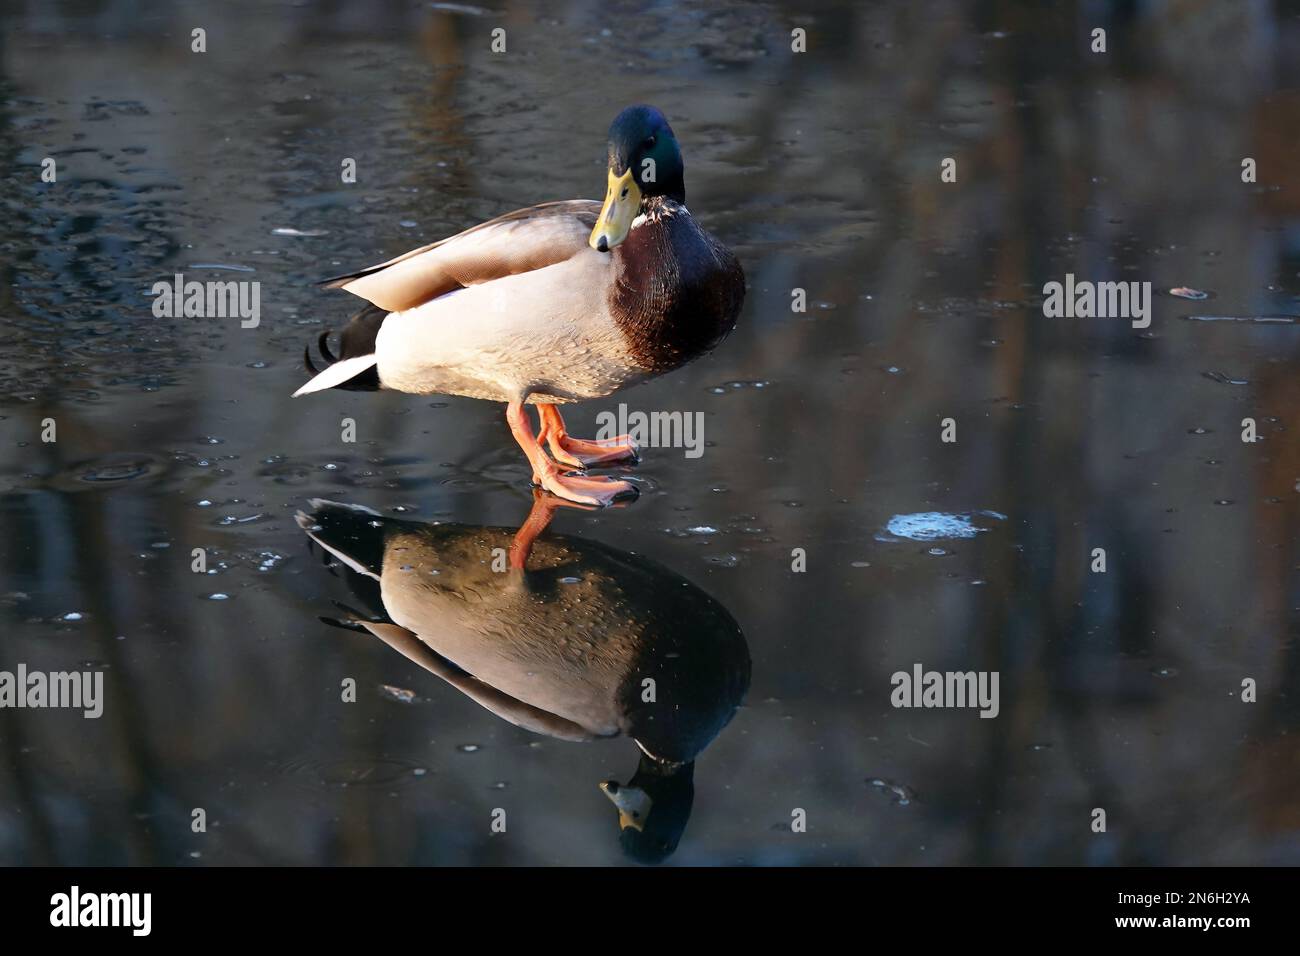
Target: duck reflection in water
(569,638)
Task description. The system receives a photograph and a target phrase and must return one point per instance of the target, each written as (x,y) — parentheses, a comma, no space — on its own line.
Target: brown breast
(678,290)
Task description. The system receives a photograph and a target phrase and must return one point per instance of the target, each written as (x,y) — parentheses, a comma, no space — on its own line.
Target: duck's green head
(653,808)
(644,161)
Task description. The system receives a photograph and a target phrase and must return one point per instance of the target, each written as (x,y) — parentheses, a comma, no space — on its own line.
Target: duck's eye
(650,141)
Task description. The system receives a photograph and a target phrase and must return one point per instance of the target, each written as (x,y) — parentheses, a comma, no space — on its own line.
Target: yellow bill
(622,203)
(633,803)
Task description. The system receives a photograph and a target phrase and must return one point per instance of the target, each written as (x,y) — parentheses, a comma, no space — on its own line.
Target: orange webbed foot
(582,453)
(580,489)
(598,492)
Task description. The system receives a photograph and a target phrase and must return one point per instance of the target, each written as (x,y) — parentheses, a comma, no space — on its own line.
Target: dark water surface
(1119,690)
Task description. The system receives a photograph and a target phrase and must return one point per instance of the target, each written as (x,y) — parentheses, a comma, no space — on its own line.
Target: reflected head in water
(653,807)
(559,635)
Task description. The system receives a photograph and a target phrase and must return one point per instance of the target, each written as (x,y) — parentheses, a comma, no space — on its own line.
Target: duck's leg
(538,520)
(583,490)
(577,453)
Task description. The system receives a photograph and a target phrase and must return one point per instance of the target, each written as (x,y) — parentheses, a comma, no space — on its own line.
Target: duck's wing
(502,704)
(519,241)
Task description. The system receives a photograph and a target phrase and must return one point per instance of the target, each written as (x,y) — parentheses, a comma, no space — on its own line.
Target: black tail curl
(357,339)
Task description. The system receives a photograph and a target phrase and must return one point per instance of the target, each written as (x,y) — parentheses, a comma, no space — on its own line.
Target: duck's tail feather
(353,374)
(352,533)
(353,368)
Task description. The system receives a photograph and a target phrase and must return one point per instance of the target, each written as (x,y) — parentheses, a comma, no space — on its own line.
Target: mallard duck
(561,642)
(556,303)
